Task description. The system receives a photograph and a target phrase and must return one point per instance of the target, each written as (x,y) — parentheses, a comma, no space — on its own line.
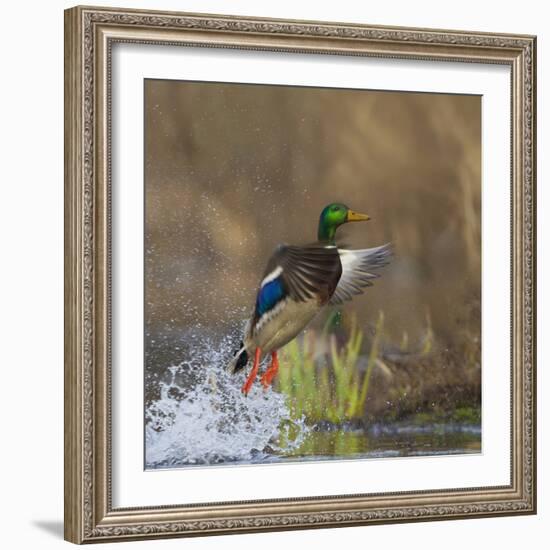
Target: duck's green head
(332,217)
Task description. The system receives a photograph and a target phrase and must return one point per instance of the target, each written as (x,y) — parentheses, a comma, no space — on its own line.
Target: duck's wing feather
(308,270)
(300,273)
(357,271)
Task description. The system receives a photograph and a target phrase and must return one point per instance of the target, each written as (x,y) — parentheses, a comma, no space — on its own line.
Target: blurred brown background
(232,170)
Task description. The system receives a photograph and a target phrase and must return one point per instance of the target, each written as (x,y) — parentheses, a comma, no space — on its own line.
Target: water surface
(196,415)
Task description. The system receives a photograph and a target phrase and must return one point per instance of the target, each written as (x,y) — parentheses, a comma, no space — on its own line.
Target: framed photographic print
(300,274)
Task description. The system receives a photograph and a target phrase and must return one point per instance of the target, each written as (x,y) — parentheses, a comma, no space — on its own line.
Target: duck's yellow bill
(357,217)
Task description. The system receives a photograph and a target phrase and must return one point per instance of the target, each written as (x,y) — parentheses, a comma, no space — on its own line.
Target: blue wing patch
(269,296)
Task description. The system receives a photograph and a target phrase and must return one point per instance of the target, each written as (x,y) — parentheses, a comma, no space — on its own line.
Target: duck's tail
(239,361)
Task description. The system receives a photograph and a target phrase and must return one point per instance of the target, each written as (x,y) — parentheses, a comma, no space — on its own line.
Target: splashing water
(202,417)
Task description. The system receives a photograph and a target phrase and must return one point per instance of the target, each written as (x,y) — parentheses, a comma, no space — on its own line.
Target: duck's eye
(335,208)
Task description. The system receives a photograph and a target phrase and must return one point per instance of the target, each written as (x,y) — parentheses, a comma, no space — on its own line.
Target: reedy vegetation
(335,390)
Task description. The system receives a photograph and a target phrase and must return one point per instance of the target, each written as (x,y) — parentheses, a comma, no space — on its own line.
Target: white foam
(202,417)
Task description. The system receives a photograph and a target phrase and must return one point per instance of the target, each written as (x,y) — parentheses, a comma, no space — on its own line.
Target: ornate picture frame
(90,34)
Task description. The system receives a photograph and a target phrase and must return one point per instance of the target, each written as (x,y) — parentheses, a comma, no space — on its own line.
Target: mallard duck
(297,283)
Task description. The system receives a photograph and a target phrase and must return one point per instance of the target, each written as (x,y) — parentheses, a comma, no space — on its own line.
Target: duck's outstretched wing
(300,273)
(357,267)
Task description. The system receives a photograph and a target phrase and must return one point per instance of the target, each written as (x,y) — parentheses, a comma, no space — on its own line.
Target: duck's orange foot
(253,373)
(246,386)
(270,373)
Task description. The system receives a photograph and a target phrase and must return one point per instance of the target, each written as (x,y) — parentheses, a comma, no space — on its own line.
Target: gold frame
(89,35)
